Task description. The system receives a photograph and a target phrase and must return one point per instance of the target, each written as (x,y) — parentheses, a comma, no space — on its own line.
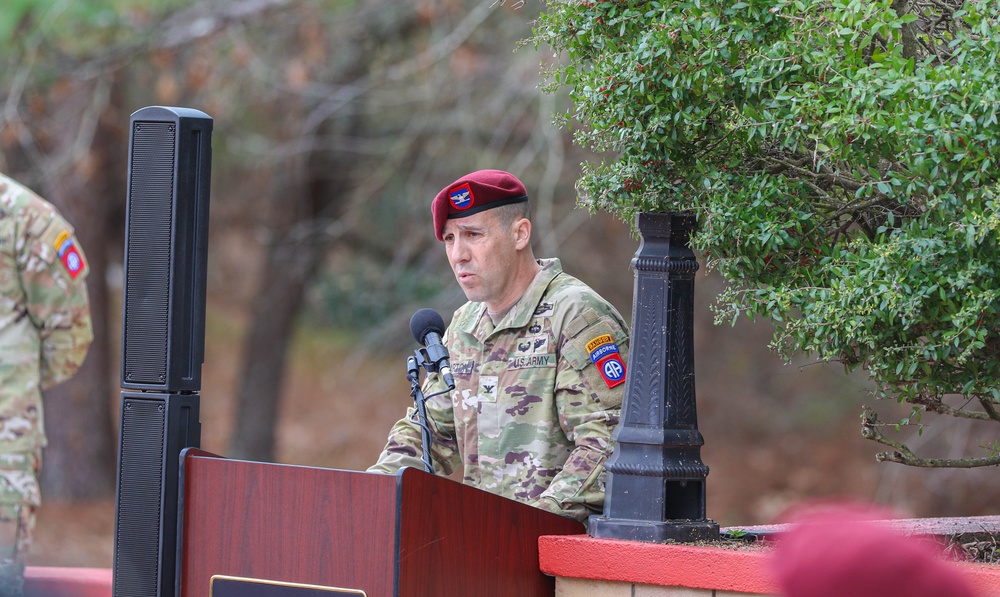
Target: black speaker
(166,256)
(163,339)
(155,427)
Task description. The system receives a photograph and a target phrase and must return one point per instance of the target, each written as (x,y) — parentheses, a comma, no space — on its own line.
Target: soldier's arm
(589,407)
(53,270)
(405,446)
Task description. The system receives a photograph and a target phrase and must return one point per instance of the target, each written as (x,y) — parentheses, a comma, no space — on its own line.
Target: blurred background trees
(336,122)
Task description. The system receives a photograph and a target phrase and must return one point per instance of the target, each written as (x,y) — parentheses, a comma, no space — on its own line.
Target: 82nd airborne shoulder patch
(70,256)
(605,355)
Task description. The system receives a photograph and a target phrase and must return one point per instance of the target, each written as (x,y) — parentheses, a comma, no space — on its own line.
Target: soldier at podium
(538,360)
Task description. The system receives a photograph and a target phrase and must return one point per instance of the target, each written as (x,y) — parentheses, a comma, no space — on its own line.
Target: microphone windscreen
(424,322)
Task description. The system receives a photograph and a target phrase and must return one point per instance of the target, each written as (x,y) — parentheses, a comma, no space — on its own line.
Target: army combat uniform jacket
(45,326)
(535,398)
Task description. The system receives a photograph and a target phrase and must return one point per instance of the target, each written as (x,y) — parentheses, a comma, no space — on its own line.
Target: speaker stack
(163,339)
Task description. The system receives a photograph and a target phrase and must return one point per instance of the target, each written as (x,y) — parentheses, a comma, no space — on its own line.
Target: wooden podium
(315,531)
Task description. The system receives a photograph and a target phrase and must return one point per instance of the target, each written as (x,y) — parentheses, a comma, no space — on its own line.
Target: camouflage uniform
(532,413)
(44,335)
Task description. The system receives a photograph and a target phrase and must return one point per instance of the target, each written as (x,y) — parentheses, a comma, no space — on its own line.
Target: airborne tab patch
(605,355)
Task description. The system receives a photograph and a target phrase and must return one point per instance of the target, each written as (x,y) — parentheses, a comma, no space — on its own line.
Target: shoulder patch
(70,256)
(605,355)
(63,237)
(612,369)
(599,341)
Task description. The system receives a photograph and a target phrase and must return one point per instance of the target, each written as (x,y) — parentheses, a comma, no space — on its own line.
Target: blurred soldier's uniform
(45,332)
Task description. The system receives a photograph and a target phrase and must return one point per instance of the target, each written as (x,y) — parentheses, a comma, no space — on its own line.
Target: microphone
(427,327)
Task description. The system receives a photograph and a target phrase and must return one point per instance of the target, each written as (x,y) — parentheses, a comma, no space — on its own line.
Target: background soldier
(44,335)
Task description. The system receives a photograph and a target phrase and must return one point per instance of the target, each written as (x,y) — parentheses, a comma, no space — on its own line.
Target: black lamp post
(655,477)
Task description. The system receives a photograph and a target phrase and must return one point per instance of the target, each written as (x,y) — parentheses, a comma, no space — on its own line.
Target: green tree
(839,155)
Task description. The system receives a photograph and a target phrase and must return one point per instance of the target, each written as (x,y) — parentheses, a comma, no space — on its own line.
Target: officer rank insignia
(605,355)
(488,388)
(69,254)
(461,197)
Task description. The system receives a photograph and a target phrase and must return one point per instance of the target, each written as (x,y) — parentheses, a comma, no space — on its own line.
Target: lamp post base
(670,531)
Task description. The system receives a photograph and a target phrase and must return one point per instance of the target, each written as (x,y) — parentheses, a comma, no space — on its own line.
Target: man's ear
(522,232)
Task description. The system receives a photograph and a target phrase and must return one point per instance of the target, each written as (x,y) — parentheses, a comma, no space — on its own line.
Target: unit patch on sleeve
(69,254)
(605,355)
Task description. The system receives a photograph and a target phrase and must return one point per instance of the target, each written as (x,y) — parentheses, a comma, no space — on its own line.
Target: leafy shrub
(840,156)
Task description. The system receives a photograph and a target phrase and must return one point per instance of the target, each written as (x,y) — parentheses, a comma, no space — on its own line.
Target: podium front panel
(283,523)
(459,541)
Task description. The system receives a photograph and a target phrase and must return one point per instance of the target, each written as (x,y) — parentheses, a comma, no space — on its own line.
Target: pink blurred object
(40,581)
(843,550)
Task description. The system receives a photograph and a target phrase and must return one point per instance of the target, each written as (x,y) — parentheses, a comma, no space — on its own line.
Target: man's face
(482,255)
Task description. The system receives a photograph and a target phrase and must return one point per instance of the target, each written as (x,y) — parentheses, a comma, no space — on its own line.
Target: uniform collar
(524,309)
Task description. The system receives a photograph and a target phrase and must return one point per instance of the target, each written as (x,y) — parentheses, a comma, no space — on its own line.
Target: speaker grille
(140,487)
(148,268)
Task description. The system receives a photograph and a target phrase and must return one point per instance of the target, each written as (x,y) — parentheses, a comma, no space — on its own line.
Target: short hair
(508,214)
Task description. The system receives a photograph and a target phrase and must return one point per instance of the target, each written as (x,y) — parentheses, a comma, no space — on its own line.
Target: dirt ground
(75,535)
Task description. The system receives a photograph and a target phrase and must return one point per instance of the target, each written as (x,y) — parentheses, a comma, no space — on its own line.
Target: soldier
(537,356)
(44,335)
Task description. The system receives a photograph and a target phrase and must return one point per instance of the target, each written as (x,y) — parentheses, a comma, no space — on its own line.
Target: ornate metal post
(655,478)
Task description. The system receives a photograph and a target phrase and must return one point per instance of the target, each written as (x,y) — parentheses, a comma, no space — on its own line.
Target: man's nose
(459,250)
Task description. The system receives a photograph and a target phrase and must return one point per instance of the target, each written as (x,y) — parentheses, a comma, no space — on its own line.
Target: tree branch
(934,404)
(902,454)
(989,408)
(208,18)
(910,460)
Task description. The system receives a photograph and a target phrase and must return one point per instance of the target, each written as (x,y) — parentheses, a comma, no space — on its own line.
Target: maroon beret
(473,193)
(843,550)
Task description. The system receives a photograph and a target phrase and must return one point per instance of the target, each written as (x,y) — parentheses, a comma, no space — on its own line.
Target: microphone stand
(431,361)
(413,374)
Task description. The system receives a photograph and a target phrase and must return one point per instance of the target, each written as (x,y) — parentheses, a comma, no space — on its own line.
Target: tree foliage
(335,121)
(840,156)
